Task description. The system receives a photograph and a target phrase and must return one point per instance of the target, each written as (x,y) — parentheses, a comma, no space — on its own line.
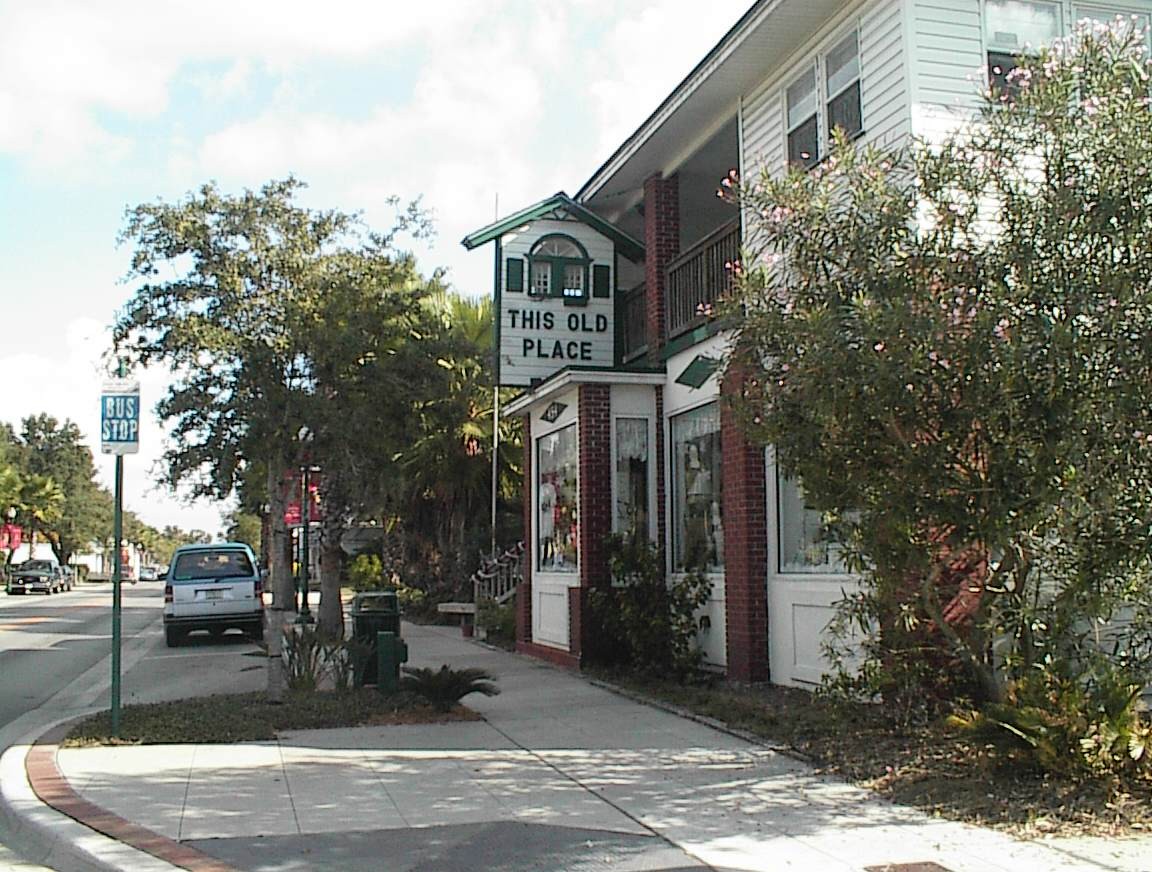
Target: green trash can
(373,612)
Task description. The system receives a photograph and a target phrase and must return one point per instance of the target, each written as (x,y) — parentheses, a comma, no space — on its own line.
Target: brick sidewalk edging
(50,785)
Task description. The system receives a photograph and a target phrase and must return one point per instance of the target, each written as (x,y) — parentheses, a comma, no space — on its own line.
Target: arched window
(558,267)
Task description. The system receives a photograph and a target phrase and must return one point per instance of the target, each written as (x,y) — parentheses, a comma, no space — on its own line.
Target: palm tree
(40,504)
(447,471)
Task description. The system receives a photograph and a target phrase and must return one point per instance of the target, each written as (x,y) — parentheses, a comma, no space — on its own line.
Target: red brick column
(524,591)
(595,519)
(745,546)
(661,245)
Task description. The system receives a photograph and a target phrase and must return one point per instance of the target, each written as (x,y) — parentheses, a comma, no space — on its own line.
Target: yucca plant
(445,687)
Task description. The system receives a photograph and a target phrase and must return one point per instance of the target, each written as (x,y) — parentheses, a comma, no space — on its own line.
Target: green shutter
(601,278)
(515,282)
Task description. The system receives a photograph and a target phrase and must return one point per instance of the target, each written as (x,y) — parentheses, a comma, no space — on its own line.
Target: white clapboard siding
(883,88)
(764,133)
(947,55)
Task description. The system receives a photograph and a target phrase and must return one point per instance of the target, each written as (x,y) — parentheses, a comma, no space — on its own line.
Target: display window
(805,545)
(556,515)
(631,471)
(698,528)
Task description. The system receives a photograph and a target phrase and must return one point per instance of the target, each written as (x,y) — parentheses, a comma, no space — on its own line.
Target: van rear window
(201,565)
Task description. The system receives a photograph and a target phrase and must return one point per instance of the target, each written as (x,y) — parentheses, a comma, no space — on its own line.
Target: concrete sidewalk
(562,775)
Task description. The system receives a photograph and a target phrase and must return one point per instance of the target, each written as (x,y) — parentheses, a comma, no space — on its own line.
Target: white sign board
(120,417)
(540,335)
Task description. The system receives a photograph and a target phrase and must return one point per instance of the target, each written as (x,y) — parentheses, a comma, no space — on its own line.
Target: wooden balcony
(699,277)
(631,316)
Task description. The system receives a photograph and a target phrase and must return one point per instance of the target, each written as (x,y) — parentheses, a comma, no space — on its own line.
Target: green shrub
(445,687)
(304,659)
(498,621)
(644,621)
(366,572)
(1079,726)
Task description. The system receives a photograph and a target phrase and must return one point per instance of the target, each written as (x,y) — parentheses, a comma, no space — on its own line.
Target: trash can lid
(380,600)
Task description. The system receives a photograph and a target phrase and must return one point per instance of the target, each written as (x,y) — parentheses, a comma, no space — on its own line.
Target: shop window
(556,461)
(558,267)
(805,546)
(1011,29)
(631,473)
(698,531)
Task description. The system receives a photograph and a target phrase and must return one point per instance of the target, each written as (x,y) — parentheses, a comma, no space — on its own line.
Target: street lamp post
(305,436)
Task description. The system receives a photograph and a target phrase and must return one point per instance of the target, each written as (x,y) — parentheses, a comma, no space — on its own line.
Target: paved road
(47,641)
(54,664)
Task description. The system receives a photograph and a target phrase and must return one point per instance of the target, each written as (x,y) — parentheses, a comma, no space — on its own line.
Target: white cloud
(71,364)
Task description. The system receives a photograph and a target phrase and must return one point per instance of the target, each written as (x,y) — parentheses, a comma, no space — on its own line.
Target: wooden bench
(466,611)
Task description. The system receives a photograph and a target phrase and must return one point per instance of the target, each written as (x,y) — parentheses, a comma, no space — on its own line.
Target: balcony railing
(699,277)
(632,318)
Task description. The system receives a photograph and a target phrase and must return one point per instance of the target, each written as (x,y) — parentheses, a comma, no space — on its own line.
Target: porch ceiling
(708,99)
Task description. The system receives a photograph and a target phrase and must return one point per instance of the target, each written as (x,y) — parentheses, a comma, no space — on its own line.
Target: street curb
(52,788)
(37,831)
(49,836)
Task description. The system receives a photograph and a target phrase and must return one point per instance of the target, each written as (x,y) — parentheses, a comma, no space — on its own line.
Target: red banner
(293,516)
(11,536)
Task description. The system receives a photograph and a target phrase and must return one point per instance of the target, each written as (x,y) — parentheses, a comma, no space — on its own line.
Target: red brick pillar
(524,591)
(661,245)
(595,518)
(745,546)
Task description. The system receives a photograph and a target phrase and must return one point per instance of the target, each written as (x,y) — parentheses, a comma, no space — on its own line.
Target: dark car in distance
(36,576)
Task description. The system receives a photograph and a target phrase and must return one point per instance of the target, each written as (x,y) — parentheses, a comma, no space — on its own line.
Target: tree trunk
(335,505)
(331,621)
(280,578)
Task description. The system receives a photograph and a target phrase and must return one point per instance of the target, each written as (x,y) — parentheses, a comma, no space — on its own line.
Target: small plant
(1079,726)
(445,687)
(366,572)
(645,621)
(498,621)
(304,657)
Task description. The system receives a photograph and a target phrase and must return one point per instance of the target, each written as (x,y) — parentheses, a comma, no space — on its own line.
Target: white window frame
(817,67)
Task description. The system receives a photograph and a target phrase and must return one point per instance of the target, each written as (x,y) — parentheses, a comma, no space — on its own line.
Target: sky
(469,106)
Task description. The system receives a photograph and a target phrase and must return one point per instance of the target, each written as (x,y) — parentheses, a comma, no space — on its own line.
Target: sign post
(119,435)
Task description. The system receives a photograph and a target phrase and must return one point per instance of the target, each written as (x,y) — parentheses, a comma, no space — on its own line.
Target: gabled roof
(559,202)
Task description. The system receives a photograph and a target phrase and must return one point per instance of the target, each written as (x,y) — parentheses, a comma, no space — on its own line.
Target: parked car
(213,587)
(148,573)
(36,576)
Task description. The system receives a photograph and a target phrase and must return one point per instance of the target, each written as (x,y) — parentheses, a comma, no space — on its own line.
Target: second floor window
(1013,28)
(831,82)
(558,267)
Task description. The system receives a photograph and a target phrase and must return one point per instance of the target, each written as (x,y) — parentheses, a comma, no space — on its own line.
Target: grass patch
(931,767)
(249,717)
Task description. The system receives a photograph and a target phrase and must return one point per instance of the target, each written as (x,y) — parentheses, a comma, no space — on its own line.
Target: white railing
(498,579)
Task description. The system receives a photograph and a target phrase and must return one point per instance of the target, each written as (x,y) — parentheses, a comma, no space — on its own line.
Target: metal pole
(117,534)
(495,459)
(306,519)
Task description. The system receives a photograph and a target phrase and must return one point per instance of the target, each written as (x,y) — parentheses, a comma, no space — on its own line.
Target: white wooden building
(603,301)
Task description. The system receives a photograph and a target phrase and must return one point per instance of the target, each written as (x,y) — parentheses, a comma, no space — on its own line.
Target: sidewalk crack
(288,786)
(187,790)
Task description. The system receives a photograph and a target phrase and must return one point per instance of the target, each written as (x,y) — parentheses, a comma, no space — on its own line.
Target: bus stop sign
(120,417)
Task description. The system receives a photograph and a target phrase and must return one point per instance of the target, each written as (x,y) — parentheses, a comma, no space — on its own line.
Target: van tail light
(260,591)
(167,593)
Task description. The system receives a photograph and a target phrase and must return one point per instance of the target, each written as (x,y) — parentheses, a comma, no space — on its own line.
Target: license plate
(213,594)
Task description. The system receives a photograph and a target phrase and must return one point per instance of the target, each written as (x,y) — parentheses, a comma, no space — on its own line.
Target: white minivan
(213,587)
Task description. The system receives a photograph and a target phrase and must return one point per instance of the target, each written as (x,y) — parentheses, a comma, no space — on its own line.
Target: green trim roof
(626,245)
